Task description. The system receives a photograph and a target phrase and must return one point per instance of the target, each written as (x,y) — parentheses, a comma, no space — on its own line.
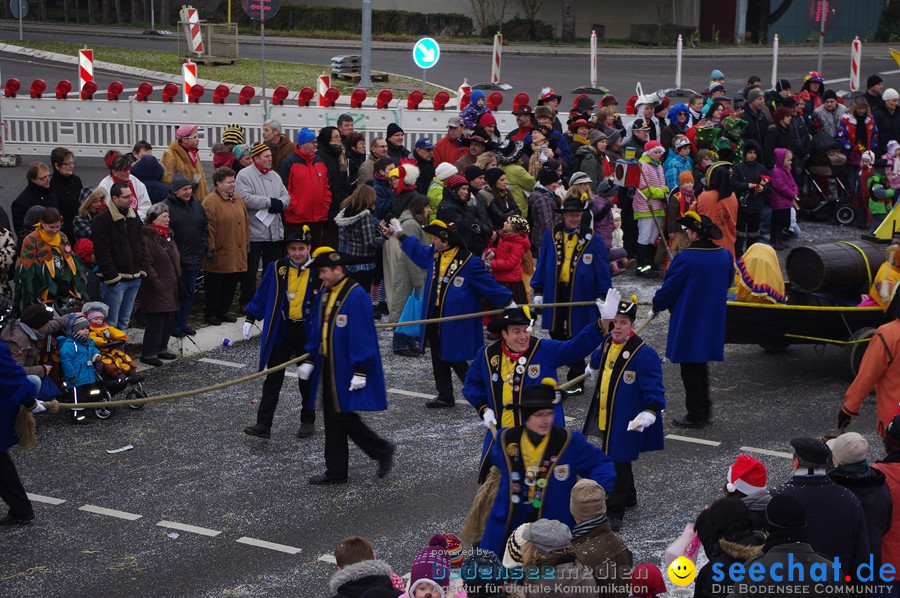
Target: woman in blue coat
(695,290)
(345,361)
(626,404)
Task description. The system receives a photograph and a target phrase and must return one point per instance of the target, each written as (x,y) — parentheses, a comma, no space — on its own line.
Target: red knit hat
(84,248)
(747,475)
(652,145)
(486,119)
(456,181)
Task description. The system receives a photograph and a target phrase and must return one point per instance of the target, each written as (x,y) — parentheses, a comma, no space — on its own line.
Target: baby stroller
(823,193)
(102,390)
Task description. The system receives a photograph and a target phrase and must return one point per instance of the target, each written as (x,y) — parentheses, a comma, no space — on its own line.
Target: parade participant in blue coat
(626,405)
(573,265)
(344,357)
(284,302)
(539,463)
(502,371)
(695,290)
(16,392)
(456,283)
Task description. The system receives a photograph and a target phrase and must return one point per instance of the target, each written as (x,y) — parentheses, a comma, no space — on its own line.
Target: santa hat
(747,475)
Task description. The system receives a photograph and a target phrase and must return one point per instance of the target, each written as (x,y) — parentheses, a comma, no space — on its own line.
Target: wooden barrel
(839,267)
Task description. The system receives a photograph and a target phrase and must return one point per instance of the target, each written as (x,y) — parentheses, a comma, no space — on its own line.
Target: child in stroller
(81,361)
(824,192)
(117,364)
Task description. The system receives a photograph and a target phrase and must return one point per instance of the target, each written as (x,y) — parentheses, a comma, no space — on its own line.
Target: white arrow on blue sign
(426,53)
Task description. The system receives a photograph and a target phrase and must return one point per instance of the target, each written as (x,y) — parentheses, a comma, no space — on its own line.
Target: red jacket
(507,263)
(449,150)
(306,179)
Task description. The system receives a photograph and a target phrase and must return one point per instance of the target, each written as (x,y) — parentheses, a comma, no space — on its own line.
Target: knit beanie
(304,135)
(873,80)
(785,511)
(512,556)
(36,316)
(74,323)
(685,177)
(444,171)
(830,94)
(393,129)
(492,175)
(548,535)
(179,181)
(587,500)
(432,563)
(240,151)
(456,181)
(258,148)
(482,574)
(233,134)
(486,119)
(95,308)
(473,171)
(84,247)
(547,177)
(454,549)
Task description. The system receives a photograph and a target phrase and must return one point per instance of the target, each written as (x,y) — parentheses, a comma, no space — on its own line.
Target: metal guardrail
(89,128)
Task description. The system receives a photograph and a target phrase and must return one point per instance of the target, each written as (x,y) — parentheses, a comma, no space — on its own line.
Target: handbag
(411,311)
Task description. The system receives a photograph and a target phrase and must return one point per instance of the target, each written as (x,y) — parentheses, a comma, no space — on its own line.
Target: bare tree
(42,7)
(165,12)
(488,14)
(532,7)
(135,10)
(760,16)
(568,21)
(117,4)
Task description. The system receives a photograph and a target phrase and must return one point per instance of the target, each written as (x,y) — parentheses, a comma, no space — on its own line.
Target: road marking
(694,440)
(569,420)
(230,364)
(189,528)
(753,449)
(328,558)
(410,393)
(269,545)
(291,374)
(45,499)
(109,512)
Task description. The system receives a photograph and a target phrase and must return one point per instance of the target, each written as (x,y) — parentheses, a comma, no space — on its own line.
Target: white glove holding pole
(642,421)
(489,418)
(396,228)
(610,307)
(591,375)
(357,382)
(305,370)
(245,330)
(538,300)
(39,407)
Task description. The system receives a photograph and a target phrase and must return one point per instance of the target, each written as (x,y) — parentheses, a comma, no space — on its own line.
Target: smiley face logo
(682,571)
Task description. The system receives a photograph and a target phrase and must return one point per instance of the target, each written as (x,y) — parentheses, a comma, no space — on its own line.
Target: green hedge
(889,25)
(294,17)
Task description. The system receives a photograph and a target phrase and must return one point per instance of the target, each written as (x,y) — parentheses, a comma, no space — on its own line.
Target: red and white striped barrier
(322,87)
(191,19)
(85,67)
(855,55)
(495,64)
(189,72)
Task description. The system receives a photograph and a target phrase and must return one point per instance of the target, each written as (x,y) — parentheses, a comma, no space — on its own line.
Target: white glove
(489,418)
(38,407)
(397,229)
(651,314)
(357,382)
(305,370)
(642,421)
(511,305)
(610,307)
(538,300)
(592,375)
(245,330)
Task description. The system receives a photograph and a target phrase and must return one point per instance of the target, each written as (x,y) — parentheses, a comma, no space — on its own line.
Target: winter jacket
(564,576)
(674,166)
(745,173)
(887,124)
(118,247)
(435,195)
(604,223)
(506,266)
(723,212)
(542,215)
(190,226)
(397,153)
(871,488)
(604,553)
(846,135)
(520,184)
(890,542)
(453,209)
(776,137)
(652,192)
(229,234)
(16,391)
(24,348)
(258,189)
(150,172)
(68,194)
(176,159)
(281,151)
(824,121)
(776,559)
(738,548)
(77,360)
(222,156)
(31,195)
(338,180)
(449,150)
(140,199)
(366,173)
(426,174)
(784,188)
(358,233)
(306,178)
(482,229)
(384,199)
(353,580)
(595,165)
(159,289)
(499,208)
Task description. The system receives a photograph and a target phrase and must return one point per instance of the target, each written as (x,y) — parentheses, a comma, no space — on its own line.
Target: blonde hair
(485,159)
(85,209)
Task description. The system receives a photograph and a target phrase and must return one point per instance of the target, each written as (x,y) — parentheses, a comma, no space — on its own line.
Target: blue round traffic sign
(426,53)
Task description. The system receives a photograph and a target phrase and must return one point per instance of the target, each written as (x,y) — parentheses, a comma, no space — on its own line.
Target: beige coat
(175,159)
(229,234)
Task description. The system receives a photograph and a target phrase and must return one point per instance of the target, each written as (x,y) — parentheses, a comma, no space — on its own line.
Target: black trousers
(695,377)
(219,290)
(629,224)
(443,370)
(341,426)
(11,490)
(623,492)
(268,252)
(747,232)
(364,279)
(781,219)
(292,346)
(156,333)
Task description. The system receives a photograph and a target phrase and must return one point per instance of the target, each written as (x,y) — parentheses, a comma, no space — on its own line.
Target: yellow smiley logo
(682,571)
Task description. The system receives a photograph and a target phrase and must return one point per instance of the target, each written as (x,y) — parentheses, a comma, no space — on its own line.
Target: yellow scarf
(53,241)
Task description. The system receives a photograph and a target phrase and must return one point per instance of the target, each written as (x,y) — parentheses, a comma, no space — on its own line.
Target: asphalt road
(192,466)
